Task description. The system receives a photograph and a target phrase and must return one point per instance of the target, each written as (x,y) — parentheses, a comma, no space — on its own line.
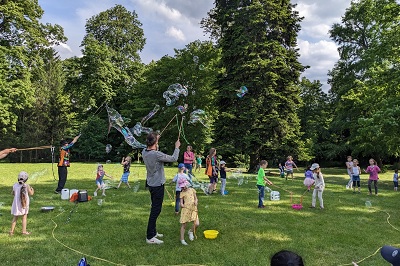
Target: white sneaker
(103,195)
(184,242)
(95,194)
(154,240)
(191,236)
(159,235)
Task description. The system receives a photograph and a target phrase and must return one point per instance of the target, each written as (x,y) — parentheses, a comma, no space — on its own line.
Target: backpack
(82,196)
(83,262)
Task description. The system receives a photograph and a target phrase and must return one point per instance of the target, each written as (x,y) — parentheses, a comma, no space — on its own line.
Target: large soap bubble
(171,95)
(198,115)
(151,114)
(118,122)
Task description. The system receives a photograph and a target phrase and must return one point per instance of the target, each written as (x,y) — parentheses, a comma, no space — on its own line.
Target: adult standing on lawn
(155,179)
(63,162)
(6,152)
(188,158)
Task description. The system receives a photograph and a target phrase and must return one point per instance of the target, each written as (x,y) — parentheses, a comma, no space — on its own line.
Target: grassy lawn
(115,232)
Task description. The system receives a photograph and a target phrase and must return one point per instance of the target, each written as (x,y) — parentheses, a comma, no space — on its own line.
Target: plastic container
(65,194)
(72,191)
(211,234)
(275,195)
(297,206)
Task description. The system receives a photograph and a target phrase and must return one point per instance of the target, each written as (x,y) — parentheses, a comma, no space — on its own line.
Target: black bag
(82,196)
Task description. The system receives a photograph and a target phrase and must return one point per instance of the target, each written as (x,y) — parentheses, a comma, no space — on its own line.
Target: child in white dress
(20,205)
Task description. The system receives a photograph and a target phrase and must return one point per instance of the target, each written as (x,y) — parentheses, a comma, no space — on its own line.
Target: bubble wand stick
(168,124)
(180,128)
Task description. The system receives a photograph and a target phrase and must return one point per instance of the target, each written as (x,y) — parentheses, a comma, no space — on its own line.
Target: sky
(170,24)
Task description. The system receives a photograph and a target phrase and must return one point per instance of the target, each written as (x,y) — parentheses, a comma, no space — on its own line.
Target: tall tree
(315,117)
(193,67)
(110,65)
(258,44)
(22,36)
(367,73)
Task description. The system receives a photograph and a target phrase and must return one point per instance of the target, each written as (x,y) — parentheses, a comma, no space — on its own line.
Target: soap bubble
(198,115)
(201,67)
(118,122)
(108,148)
(196,59)
(242,91)
(182,109)
(171,95)
(151,114)
(368,204)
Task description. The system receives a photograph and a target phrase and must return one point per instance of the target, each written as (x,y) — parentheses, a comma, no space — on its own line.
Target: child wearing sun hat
(188,203)
(319,186)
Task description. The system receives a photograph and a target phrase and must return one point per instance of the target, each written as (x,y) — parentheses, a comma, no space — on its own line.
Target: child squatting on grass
(261,179)
(189,213)
(99,180)
(20,205)
(126,163)
(319,186)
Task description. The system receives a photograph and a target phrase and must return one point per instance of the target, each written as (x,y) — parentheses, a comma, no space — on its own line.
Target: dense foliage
(44,99)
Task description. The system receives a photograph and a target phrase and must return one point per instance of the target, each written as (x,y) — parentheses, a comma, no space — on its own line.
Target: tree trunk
(254,161)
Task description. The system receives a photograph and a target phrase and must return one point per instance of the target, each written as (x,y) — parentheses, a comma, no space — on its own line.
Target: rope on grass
(373,254)
(357,262)
(387,219)
(77,251)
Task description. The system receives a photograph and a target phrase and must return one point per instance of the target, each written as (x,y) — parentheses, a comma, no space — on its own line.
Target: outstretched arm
(76,139)
(5,152)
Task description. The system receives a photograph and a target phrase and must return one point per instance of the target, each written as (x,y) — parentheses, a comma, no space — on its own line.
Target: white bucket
(275,195)
(65,194)
(72,191)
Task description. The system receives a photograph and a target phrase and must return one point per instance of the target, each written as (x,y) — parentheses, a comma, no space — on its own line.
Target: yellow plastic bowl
(211,234)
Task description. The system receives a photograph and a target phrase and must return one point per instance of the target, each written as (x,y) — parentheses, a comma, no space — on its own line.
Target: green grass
(345,231)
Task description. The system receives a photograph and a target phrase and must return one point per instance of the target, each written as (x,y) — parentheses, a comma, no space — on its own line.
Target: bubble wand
(180,128)
(168,124)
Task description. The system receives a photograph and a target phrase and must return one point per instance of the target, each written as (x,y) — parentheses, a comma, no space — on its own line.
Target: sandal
(26,233)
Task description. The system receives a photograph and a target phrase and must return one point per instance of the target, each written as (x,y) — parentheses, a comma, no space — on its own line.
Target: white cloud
(157,9)
(321,56)
(64,46)
(176,33)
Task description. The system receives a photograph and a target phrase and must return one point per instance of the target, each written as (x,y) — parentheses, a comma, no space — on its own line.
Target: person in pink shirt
(373,171)
(188,158)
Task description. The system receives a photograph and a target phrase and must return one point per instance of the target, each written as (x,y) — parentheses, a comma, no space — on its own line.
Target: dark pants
(261,194)
(177,200)
(356,183)
(189,168)
(157,197)
(62,177)
(375,186)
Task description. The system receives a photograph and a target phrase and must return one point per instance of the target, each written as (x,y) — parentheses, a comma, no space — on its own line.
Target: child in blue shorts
(396,179)
(126,163)
(99,180)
